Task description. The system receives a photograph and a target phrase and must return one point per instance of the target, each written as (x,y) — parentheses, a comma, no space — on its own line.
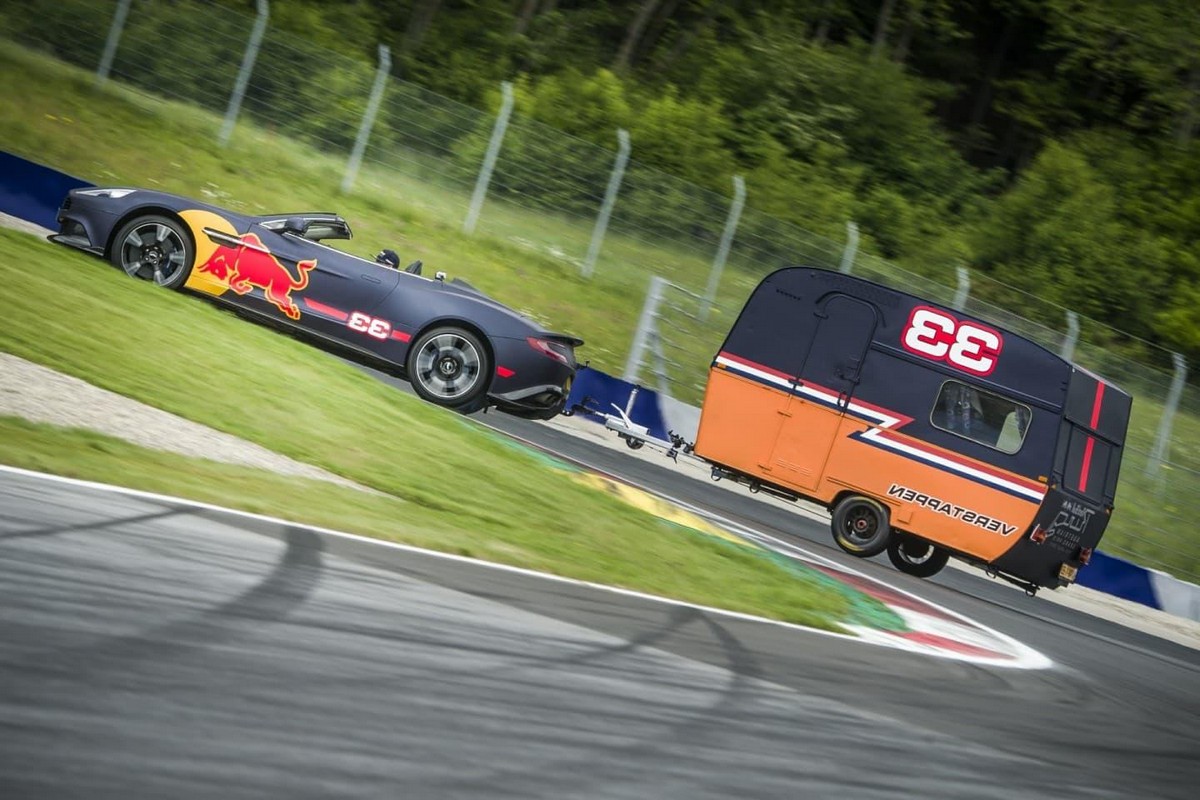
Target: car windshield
(317,228)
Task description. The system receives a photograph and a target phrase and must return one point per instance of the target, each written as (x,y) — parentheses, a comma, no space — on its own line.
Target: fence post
(243,76)
(731,223)
(851,247)
(645,328)
(1068,345)
(1163,440)
(660,363)
(368,120)
(964,288)
(610,199)
(489,158)
(114,38)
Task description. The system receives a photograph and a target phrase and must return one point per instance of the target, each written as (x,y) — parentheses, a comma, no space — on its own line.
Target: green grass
(448,483)
(53,113)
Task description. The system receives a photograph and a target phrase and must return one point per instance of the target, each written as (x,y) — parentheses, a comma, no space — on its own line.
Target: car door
(322,289)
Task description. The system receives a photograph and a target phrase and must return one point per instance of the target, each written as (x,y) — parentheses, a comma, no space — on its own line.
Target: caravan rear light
(1039,534)
(1085,555)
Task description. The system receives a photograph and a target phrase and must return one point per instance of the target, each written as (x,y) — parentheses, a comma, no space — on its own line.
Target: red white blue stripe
(884,425)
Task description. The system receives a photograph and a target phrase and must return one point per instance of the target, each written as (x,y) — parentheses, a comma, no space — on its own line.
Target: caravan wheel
(915,556)
(861,526)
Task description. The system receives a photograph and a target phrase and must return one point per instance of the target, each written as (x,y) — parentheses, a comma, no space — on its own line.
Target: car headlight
(115,194)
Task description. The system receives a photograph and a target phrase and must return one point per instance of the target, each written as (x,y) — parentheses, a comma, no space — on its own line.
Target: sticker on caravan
(951,510)
(934,334)
(1070,523)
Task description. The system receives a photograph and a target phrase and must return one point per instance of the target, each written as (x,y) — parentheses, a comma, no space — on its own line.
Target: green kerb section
(863,609)
(540,456)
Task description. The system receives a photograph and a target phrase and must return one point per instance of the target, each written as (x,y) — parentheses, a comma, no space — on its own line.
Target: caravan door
(827,380)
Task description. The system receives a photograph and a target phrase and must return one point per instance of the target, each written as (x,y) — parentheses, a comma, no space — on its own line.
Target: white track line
(1027,659)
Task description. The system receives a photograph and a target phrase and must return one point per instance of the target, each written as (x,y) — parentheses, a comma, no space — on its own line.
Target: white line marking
(1027,658)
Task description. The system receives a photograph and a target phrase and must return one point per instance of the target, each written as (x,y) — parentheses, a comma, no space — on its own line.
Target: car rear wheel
(861,526)
(155,248)
(915,556)
(449,366)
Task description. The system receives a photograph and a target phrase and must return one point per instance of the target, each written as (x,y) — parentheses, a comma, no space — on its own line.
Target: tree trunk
(655,30)
(418,25)
(633,35)
(905,41)
(525,16)
(983,98)
(685,40)
(821,34)
(881,28)
(1189,120)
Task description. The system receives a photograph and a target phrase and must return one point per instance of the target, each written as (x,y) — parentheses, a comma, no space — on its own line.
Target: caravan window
(981,416)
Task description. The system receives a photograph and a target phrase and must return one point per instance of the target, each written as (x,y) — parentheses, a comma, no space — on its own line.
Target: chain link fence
(546,192)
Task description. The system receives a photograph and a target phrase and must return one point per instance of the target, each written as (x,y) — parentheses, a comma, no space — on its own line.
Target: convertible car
(456,346)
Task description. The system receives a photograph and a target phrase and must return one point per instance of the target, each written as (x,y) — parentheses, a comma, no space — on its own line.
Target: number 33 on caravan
(936,335)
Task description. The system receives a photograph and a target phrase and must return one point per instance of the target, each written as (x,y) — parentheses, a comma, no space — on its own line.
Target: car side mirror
(414,268)
(294,225)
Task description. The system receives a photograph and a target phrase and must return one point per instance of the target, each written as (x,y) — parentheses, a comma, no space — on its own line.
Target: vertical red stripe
(1087,450)
(1096,404)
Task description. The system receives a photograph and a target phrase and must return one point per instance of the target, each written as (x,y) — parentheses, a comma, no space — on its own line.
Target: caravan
(927,433)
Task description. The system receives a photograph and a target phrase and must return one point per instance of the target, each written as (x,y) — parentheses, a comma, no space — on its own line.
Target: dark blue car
(456,346)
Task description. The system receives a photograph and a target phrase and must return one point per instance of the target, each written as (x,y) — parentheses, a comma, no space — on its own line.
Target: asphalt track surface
(149,649)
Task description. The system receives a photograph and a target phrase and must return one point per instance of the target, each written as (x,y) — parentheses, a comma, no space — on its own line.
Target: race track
(151,649)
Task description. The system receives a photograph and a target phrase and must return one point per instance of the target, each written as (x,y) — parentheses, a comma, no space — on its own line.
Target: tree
(1060,233)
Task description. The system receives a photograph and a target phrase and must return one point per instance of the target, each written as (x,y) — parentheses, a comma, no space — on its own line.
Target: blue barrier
(33,192)
(600,391)
(1120,578)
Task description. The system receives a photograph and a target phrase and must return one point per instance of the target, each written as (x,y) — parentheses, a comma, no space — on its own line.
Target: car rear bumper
(528,383)
(538,402)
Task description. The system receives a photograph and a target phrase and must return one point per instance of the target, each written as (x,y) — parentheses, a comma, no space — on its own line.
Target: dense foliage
(1048,143)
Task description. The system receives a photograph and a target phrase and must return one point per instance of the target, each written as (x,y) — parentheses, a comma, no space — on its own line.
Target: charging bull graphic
(243,268)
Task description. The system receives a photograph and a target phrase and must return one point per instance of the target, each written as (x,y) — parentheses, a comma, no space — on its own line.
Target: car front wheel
(450,367)
(156,248)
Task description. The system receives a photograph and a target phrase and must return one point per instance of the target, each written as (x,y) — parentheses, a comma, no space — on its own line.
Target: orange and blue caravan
(928,433)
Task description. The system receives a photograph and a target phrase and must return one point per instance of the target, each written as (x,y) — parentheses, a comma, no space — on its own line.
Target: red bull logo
(253,265)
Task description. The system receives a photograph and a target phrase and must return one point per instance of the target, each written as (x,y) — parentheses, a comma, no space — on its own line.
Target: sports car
(456,346)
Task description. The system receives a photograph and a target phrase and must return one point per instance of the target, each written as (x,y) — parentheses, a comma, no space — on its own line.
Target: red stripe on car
(321,308)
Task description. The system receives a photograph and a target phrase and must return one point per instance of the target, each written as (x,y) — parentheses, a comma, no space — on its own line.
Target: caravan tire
(861,526)
(915,556)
